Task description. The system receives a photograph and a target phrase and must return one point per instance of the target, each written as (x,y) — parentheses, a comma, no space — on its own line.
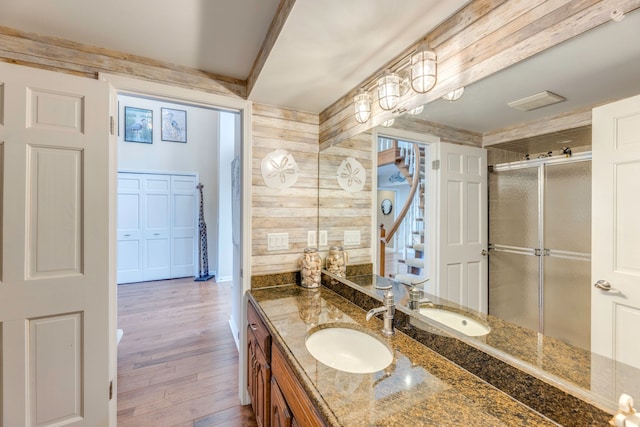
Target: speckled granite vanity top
(587,375)
(419,388)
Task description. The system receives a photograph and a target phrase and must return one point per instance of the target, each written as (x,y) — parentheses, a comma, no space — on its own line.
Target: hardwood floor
(177,361)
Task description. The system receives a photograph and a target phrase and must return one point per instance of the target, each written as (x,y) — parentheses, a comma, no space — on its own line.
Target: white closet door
(157,226)
(156,231)
(183,225)
(129,227)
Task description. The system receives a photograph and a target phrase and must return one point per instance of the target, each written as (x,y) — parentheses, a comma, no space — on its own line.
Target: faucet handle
(388,298)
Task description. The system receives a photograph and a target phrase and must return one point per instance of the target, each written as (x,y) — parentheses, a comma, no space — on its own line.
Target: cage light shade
(454,95)
(362,105)
(423,69)
(388,90)
(415,111)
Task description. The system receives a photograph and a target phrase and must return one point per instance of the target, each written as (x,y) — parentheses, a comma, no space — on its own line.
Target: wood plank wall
(65,56)
(340,210)
(293,210)
(484,37)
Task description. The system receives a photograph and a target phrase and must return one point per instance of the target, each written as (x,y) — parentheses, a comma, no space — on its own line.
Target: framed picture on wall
(174,125)
(138,125)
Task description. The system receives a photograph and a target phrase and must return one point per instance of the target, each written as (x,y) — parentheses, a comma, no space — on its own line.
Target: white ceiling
(328,47)
(325,49)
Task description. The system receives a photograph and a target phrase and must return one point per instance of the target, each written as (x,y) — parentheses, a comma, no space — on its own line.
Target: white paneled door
(615,313)
(157,226)
(184,226)
(462,238)
(55,333)
(130,193)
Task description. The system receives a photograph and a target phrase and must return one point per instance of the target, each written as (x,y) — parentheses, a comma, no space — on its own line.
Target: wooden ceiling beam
(279,19)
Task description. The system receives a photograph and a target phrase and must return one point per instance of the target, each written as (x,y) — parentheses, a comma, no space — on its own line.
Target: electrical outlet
(277,241)
(351,237)
(311,238)
(322,238)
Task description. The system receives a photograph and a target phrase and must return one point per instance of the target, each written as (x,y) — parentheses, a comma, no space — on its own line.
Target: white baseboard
(224,278)
(235,333)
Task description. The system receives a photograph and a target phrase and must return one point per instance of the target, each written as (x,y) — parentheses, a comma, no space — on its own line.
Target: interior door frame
(429,141)
(146,88)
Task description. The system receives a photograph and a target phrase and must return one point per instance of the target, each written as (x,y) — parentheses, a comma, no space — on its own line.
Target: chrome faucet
(415,301)
(389,309)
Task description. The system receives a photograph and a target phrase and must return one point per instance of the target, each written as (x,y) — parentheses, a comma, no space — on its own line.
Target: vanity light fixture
(362,104)
(416,111)
(389,90)
(420,66)
(423,69)
(454,95)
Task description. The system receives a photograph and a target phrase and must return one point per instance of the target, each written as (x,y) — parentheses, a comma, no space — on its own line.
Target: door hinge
(112,125)
(111,390)
(435,165)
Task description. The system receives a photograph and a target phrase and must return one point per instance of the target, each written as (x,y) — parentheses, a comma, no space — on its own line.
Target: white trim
(146,88)
(432,144)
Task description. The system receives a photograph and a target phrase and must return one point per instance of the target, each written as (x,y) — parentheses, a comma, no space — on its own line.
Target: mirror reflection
(539,191)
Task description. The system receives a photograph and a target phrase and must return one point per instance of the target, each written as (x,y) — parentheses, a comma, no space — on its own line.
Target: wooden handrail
(383,244)
(407,203)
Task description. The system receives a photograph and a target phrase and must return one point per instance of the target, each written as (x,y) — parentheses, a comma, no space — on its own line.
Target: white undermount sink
(349,350)
(457,321)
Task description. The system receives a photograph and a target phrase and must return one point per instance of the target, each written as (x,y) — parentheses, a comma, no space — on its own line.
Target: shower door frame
(540,252)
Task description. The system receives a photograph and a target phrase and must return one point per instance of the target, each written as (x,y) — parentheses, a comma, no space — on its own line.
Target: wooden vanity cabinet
(277,397)
(258,366)
(290,405)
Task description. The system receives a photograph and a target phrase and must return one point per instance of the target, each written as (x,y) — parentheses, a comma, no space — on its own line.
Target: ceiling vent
(538,100)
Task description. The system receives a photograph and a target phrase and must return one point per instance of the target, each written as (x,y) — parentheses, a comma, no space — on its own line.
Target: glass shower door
(514,268)
(567,243)
(540,241)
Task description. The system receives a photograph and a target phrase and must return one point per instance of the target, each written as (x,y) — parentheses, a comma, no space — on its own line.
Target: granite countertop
(590,376)
(420,387)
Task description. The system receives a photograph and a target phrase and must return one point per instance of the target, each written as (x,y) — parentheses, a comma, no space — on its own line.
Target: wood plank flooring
(177,361)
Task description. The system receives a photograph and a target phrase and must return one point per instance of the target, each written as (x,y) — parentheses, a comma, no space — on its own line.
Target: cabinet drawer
(260,330)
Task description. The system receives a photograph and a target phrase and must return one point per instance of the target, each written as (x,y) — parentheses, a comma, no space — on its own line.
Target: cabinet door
(280,414)
(251,368)
(263,388)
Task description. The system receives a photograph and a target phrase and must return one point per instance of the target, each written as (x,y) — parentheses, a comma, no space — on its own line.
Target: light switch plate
(351,237)
(322,238)
(277,241)
(311,238)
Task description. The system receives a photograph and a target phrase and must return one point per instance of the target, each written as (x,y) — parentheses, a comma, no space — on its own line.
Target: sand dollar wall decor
(279,169)
(351,175)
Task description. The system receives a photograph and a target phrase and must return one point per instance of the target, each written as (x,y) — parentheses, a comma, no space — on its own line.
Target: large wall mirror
(597,67)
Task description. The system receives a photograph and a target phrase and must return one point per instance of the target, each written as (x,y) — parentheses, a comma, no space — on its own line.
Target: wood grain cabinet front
(280,413)
(258,367)
(291,395)
(277,397)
